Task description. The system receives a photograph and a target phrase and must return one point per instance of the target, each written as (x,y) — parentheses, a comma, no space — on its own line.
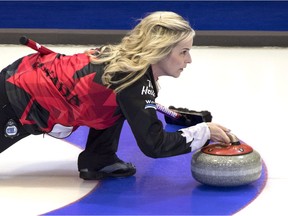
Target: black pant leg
(6,114)
(101,148)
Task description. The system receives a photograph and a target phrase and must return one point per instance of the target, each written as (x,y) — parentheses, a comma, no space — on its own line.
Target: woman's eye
(184,52)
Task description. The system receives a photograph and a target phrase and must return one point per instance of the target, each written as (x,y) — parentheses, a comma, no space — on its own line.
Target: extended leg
(11,130)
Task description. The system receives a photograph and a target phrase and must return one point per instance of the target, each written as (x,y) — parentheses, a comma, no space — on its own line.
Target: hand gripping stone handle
(233,139)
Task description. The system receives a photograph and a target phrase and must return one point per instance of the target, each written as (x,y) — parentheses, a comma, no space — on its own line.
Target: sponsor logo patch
(150,104)
(148,89)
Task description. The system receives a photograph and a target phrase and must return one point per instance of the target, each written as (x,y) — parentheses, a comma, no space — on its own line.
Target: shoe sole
(103,175)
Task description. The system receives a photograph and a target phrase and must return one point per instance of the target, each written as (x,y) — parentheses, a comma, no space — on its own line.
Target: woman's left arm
(137,103)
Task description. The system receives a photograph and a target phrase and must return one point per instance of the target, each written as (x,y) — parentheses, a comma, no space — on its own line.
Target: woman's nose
(188,59)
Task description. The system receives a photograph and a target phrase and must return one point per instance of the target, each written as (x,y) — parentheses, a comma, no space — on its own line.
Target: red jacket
(54,93)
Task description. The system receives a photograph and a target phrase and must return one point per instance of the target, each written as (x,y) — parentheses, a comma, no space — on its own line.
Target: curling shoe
(119,169)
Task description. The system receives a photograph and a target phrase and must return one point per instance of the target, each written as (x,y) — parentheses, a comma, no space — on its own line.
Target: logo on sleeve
(148,89)
(150,104)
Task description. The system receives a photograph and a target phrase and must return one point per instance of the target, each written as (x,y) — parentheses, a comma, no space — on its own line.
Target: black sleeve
(137,103)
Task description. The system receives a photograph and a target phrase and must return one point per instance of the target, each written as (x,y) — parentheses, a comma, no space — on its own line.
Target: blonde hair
(149,42)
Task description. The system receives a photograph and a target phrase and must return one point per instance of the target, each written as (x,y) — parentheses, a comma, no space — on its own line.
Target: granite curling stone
(225,165)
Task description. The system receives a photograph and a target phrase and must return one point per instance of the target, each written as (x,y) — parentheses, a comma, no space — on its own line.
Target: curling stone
(225,165)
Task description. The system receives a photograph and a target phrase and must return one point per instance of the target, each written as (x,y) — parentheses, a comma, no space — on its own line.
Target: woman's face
(175,62)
